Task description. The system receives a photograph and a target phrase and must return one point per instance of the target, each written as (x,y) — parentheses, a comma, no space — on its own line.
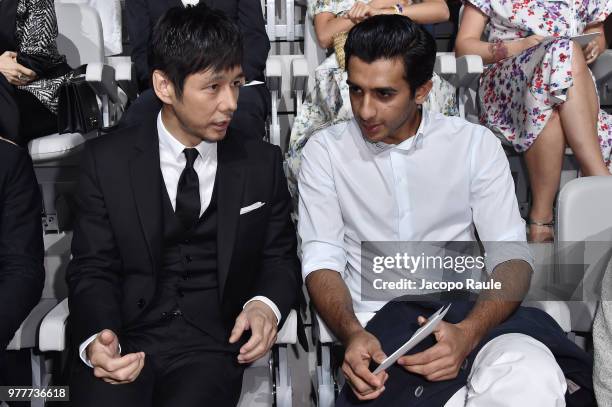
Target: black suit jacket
(22,274)
(247,14)
(117,243)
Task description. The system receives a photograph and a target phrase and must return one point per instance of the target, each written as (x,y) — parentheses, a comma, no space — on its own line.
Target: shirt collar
(168,142)
(410,143)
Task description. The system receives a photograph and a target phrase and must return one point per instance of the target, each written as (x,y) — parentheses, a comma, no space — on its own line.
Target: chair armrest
(125,75)
(52,335)
(325,335)
(288,332)
(556,309)
(102,79)
(469,69)
(25,337)
(274,74)
(299,74)
(446,64)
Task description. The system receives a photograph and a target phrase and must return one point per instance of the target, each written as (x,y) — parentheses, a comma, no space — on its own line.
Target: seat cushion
(56,146)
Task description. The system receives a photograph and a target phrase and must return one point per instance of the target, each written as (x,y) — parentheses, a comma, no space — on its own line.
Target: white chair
(54,156)
(287,30)
(266,382)
(583,237)
(57,255)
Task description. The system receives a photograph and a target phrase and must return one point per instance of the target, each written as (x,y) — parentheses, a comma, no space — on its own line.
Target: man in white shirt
(397,173)
(184,254)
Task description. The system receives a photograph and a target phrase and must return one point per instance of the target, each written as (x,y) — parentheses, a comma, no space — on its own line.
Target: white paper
(422,333)
(584,39)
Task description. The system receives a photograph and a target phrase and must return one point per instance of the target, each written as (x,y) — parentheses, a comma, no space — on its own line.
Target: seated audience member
(537,92)
(329,102)
(22,274)
(398,172)
(31,69)
(183,240)
(254,101)
(602,342)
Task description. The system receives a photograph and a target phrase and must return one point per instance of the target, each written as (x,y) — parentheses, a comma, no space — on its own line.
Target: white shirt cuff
(269,303)
(83,349)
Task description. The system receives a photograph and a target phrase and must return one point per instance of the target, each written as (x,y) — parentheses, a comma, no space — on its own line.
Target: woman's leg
(544,160)
(579,117)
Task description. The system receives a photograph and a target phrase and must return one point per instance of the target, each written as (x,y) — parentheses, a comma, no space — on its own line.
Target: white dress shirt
(172,162)
(435,186)
(190,2)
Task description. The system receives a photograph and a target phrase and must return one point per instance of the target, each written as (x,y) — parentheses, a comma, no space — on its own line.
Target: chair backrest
(80,33)
(583,237)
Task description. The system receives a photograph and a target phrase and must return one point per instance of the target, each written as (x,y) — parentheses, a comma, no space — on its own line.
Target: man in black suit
(254,101)
(22,274)
(183,239)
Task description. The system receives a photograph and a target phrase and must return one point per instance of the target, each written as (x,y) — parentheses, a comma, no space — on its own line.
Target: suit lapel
(146,180)
(230,186)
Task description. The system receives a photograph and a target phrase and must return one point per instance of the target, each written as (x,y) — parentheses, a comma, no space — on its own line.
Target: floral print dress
(518,94)
(329,101)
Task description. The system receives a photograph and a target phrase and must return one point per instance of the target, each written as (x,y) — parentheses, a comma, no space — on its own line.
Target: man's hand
(108,364)
(361,348)
(260,319)
(15,73)
(443,360)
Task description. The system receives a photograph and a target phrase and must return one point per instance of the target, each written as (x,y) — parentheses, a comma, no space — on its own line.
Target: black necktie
(188,192)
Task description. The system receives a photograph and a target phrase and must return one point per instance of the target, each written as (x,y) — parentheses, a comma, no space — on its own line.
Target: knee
(517,361)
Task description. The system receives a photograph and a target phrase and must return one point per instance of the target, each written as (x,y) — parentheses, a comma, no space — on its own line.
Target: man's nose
(229,99)
(367,110)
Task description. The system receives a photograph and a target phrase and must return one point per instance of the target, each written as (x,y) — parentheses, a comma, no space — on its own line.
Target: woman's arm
(327,25)
(468,40)
(428,12)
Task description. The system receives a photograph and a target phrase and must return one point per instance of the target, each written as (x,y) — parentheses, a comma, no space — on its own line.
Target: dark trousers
(183,367)
(249,119)
(22,116)
(395,323)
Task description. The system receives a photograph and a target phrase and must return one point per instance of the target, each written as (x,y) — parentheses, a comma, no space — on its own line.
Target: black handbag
(78,110)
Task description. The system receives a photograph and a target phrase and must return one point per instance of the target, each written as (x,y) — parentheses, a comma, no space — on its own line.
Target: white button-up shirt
(435,186)
(172,162)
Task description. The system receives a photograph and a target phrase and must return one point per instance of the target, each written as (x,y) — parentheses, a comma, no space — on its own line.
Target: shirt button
(419,391)
(141,303)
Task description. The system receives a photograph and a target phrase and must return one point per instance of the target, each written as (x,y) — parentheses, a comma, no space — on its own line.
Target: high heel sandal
(550,225)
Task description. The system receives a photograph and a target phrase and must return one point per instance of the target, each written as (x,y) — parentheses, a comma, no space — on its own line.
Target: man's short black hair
(390,37)
(193,39)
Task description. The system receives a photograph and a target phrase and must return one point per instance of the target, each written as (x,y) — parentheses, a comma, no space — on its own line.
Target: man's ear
(422,92)
(163,87)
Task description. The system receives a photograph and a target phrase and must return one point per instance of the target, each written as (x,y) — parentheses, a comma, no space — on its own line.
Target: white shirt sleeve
(83,348)
(269,303)
(494,206)
(320,224)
